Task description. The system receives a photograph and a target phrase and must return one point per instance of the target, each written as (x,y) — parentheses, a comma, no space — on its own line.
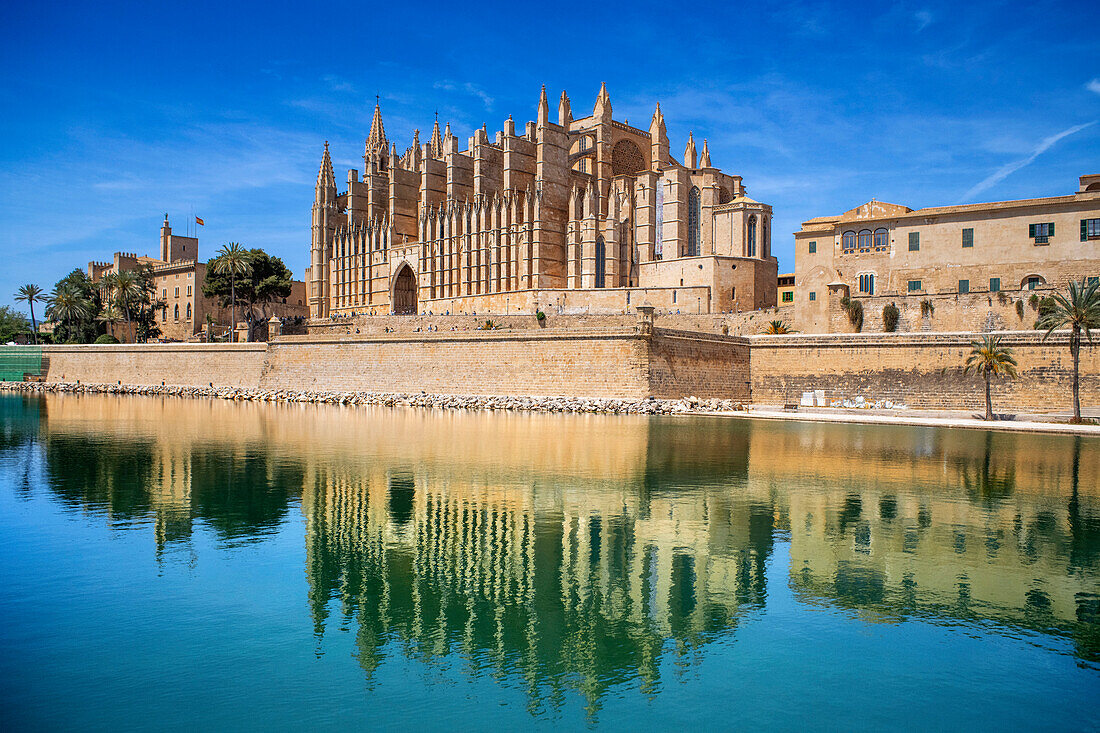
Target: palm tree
(777,327)
(31,294)
(1078,308)
(232,260)
(988,358)
(126,289)
(110,316)
(67,305)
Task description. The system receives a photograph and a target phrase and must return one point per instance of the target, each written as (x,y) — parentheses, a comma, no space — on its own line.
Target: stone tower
(324,226)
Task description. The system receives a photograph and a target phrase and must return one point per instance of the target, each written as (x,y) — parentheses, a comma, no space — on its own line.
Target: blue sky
(117,113)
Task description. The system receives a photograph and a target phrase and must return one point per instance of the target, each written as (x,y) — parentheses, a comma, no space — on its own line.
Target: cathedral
(577,215)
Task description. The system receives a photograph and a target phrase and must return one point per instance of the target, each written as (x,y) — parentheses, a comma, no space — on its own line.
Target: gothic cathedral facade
(579,215)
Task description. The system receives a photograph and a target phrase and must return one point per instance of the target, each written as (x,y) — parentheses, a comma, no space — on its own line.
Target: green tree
(127,294)
(147,305)
(988,358)
(73,305)
(31,294)
(235,261)
(72,311)
(267,281)
(1079,308)
(12,323)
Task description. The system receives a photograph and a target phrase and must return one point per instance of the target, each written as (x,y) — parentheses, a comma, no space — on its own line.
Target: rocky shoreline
(648,406)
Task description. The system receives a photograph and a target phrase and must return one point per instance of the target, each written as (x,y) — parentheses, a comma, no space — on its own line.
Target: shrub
(1002,297)
(855,315)
(927,307)
(1020,309)
(540,316)
(1033,301)
(106,339)
(890,316)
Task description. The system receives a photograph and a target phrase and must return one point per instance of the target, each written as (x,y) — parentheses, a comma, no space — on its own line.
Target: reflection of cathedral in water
(582,590)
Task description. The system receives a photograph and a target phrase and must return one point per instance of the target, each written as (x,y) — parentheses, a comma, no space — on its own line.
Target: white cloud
(1093,86)
(1006,170)
(924,18)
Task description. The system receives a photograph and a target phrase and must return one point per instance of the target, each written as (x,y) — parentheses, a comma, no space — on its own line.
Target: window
(695,238)
(1090,229)
(813,295)
(881,239)
(914,286)
(914,241)
(188,291)
(968,237)
(177,292)
(964,286)
(673,296)
(788,296)
(164,314)
(864,240)
(813,247)
(867,283)
(751,249)
(848,241)
(1041,233)
(164,293)
(994,284)
(176,312)
(1033,282)
(189,311)
(600,252)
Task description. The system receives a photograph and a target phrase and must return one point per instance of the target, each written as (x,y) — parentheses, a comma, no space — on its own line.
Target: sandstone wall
(683,364)
(590,364)
(743,323)
(921,371)
(189,365)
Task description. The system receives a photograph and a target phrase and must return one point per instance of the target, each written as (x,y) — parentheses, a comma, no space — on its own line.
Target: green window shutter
(1084,230)
(1050,228)
(1031,230)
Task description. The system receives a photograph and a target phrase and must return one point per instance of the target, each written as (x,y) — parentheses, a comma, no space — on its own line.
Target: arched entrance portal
(404,292)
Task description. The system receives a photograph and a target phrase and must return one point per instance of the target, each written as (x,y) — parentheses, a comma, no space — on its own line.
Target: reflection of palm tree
(985,483)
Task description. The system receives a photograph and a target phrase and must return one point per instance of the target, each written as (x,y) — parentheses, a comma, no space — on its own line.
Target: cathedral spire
(325,176)
(376,140)
(544,108)
(437,141)
(689,152)
(565,114)
(447,136)
(704,157)
(602,110)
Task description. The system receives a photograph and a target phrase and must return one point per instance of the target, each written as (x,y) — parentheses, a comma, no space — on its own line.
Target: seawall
(917,370)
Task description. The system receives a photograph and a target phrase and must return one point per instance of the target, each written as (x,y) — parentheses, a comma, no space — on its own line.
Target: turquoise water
(187,564)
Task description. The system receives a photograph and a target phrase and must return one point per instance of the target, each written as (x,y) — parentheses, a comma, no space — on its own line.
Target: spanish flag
(199,222)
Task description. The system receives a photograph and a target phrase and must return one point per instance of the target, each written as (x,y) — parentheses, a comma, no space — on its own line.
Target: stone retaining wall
(194,365)
(919,370)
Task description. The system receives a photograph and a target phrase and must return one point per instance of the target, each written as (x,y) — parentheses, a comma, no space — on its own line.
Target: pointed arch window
(695,236)
(176,312)
(601,255)
(750,238)
(189,311)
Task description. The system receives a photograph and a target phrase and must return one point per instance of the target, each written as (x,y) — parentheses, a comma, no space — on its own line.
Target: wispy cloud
(1093,86)
(467,87)
(924,18)
(338,84)
(1006,170)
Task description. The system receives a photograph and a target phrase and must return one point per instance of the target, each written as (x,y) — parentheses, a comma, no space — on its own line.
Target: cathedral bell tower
(324,227)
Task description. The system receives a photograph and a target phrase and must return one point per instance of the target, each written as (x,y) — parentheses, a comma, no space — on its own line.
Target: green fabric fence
(15,361)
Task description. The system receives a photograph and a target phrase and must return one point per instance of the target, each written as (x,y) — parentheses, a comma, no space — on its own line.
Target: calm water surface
(186,564)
